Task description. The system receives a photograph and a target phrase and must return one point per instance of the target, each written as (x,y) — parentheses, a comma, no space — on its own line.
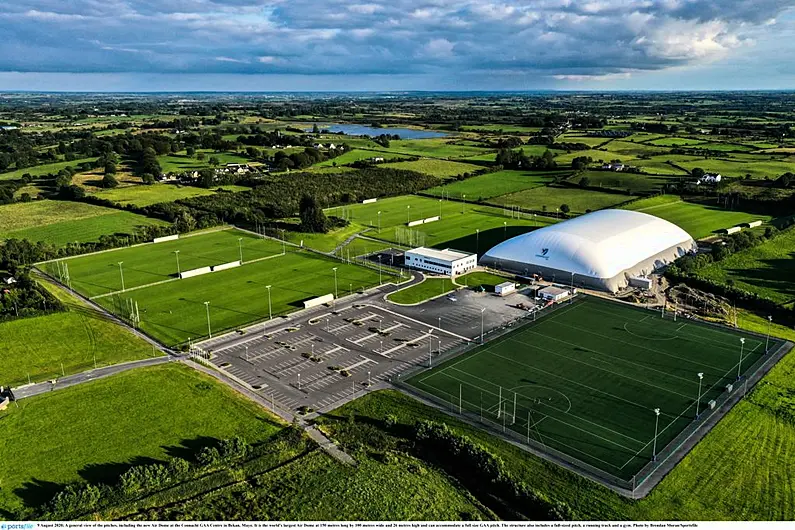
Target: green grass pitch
(587,377)
(172,310)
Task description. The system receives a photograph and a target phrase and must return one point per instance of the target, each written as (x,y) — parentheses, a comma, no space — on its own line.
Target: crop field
(40,348)
(62,222)
(585,379)
(482,187)
(96,430)
(437,168)
(43,169)
(698,220)
(550,199)
(767,269)
(143,195)
(173,310)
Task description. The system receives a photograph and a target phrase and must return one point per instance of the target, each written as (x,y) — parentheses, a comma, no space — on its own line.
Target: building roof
(551,290)
(598,245)
(447,254)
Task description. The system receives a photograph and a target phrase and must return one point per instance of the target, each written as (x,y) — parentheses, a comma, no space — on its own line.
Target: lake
(360,130)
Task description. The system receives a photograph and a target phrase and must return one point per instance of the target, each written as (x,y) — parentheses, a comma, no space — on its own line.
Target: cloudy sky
(150,45)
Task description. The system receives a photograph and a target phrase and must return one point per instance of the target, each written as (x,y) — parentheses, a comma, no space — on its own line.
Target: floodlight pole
(505,230)
(460,392)
(656,424)
(482,310)
(247,353)
(767,340)
(698,401)
(209,330)
(740,364)
(463,203)
(335,282)
(379,221)
(179,271)
(430,346)
(240,247)
(477,241)
(408,213)
(270,311)
(299,381)
(440,208)
(121,273)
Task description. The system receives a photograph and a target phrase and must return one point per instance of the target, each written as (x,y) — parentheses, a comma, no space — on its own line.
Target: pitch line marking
(647,338)
(558,419)
(587,455)
(597,367)
(632,345)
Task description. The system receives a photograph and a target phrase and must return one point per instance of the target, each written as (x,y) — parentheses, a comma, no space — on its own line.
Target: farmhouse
(447,261)
(709,178)
(613,166)
(601,250)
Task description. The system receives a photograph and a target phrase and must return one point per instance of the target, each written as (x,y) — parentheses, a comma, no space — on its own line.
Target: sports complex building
(601,250)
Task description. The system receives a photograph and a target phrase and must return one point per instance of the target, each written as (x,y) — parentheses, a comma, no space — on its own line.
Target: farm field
(429,288)
(598,155)
(179,162)
(740,166)
(435,148)
(698,220)
(634,148)
(98,274)
(62,222)
(557,378)
(96,430)
(43,169)
(143,195)
(355,155)
(549,199)
(48,346)
(620,180)
(482,187)
(324,242)
(767,269)
(674,141)
(437,168)
(658,165)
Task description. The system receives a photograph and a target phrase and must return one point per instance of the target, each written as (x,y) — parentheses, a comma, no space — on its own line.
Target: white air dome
(603,249)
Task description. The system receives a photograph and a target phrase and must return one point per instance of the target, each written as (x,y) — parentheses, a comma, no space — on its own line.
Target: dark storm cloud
(543,37)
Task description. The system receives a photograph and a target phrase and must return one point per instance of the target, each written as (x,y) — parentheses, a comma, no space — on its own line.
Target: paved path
(35,389)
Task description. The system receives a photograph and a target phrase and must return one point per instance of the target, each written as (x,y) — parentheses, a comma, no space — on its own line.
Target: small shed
(505,288)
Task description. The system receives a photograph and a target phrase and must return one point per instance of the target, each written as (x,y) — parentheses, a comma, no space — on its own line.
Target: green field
(99,274)
(143,195)
(674,141)
(45,347)
(429,288)
(356,155)
(767,269)
(486,280)
(173,310)
(698,220)
(620,180)
(490,185)
(94,431)
(44,169)
(549,198)
(742,165)
(179,162)
(434,147)
(585,379)
(437,168)
(62,222)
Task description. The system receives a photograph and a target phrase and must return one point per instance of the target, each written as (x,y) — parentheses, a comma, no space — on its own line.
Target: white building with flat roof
(448,261)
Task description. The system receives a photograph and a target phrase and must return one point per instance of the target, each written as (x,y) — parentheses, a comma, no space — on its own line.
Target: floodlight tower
(379,221)
(408,213)
(240,247)
(121,273)
(335,281)
(767,340)
(176,253)
(740,364)
(698,401)
(656,424)
(209,330)
(482,310)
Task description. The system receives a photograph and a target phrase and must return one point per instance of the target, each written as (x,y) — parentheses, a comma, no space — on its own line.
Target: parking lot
(327,356)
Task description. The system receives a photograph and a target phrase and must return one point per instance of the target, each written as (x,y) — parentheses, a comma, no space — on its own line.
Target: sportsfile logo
(16,526)
(543,255)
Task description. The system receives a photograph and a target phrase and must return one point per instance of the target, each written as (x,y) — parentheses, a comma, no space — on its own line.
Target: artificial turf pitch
(587,377)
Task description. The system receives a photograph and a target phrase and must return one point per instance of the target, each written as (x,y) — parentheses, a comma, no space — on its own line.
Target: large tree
(312,217)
